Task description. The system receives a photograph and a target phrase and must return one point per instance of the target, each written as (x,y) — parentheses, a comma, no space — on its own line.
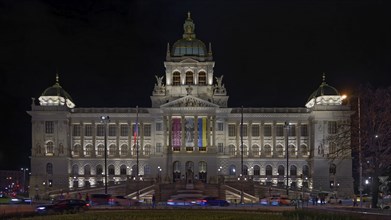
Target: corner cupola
(324,95)
(56,96)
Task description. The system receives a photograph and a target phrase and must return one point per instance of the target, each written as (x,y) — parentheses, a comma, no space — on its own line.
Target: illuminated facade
(189,127)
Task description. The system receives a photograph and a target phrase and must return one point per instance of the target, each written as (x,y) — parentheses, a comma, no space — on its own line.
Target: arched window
(232,170)
(176,79)
(245,150)
(255,149)
(293,170)
(306,171)
(89,150)
(333,169)
(124,150)
(99,170)
(49,168)
(87,170)
(49,148)
(268,150)
(111,170)
(101,150)
(245,170)
(189,78)
(292,150)
(201,78)
(257,170)
(76,150)
(122,170)
(279,150)
(269,170)
(112,150)
(75,170)
(147,150)
(177,166)
(281,170)
(231,149)
(304,150)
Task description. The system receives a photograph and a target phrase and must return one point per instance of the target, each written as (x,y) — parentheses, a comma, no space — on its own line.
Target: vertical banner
(202,131)
(189,129)
(176,132)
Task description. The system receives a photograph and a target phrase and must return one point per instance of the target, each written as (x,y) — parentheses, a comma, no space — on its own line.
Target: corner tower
(189,71)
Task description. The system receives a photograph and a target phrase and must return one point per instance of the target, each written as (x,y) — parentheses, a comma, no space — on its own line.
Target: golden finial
(57,77)
(324,77)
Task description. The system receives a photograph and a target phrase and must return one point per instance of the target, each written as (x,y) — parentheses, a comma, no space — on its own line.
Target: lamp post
(287,157)
(105,120)
(241,157)
(360,189)
(24,177)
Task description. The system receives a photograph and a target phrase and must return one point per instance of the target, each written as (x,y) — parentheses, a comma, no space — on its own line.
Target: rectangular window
(279,130)
(159,126)
(220,126)
(292,130)
(255,130)
(76,130)
(332,127)
(244,130)
(220,147)
(231,130)
(112,130)
(304,130)
(49,127)
(147,130)
(267,130)
(88,130)
(100,130)
(158,147)
(124,130)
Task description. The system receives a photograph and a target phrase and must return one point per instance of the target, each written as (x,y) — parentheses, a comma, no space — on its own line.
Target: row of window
(267,150)
(113,150)
(232,129)
(113,130)
(189,78)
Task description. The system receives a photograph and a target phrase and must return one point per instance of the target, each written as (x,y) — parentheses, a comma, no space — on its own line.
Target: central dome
(189,45)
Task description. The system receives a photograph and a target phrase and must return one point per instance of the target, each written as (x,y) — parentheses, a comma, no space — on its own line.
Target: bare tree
(368,133)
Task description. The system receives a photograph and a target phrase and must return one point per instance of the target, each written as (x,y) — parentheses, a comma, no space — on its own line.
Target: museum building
(188,130)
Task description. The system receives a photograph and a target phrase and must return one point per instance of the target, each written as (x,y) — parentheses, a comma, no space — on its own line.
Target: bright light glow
(343,97)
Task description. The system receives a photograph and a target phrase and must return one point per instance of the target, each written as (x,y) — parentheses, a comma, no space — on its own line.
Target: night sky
(107,53)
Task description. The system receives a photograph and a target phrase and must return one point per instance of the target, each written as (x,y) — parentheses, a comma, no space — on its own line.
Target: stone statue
(219,81)
(159,81)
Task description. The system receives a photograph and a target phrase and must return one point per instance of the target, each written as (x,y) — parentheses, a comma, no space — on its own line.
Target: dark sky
(271,53)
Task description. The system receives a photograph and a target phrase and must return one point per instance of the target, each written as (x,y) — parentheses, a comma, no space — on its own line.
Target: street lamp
(24,177)
(105,120)
(241,157)
(287,157)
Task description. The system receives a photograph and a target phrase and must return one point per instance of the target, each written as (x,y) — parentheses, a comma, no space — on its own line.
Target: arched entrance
(202,171)
(176,176)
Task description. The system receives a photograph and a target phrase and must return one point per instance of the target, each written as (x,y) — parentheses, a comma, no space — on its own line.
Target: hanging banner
(176,132)
(189,132)
(202,131)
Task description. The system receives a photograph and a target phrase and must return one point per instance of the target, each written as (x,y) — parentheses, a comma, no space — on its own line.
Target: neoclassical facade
(188,130)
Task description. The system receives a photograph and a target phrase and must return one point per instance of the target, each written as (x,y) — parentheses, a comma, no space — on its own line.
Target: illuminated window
(89,150)
(49,148)
(280,130)
(304,130)
(201,78)
(176,79)
(255,149)
(100,130)
(147,150)
(101,150)
(124,150)
(279,150)
(189,78)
